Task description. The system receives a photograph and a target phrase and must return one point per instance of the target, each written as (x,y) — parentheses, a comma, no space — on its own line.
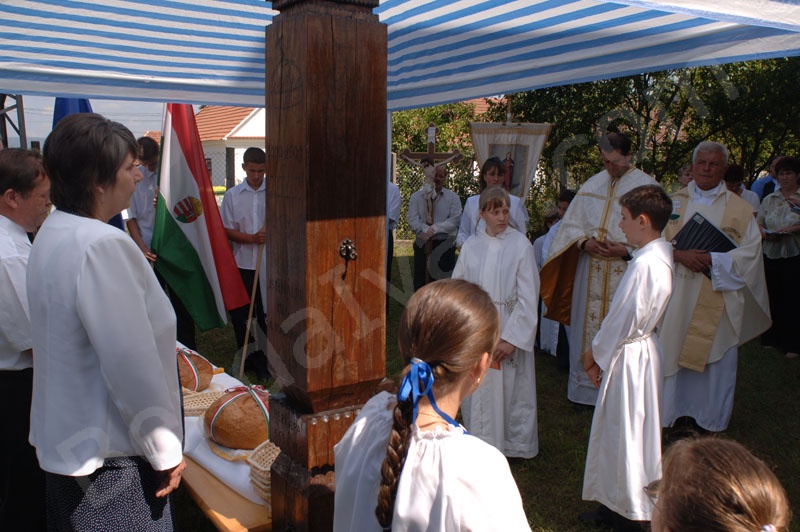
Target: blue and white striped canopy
(212,51)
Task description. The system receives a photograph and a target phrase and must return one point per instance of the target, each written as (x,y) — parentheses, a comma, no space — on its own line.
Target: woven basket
(265,494)
(260,484)
(196,404)
(260,461)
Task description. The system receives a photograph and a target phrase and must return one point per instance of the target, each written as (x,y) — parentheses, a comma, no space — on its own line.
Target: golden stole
(710,304)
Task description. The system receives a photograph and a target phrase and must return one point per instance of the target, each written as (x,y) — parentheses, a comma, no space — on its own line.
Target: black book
(699,233)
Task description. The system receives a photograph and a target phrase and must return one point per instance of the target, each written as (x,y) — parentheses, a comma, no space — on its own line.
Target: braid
(392,465)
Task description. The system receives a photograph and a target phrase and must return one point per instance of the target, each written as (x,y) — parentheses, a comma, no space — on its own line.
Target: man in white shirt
(24,204)
(243,215)
(142,212)
(434,247)
(140,224)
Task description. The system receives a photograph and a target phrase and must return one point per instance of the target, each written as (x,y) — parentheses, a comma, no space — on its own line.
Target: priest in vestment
(708,318)
(587,258)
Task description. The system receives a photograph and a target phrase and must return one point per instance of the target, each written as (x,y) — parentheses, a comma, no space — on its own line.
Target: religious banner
(518,145)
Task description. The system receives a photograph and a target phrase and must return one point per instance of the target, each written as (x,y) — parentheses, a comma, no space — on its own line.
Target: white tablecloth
(236,474)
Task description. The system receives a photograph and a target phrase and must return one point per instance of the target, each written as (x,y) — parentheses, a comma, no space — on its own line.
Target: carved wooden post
(326,185)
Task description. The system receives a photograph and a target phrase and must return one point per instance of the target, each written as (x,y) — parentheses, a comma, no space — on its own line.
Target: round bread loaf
(194,370)
(240,418)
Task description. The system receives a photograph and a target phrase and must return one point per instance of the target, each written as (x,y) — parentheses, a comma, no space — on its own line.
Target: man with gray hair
(719,299)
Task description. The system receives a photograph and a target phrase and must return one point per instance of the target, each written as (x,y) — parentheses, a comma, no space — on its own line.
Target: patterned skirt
(118,496)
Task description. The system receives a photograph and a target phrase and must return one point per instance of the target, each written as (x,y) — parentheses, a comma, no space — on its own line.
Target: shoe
(622,524)
(792,354)
(602,516)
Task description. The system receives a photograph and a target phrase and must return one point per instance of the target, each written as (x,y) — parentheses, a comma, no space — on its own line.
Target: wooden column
(326,185)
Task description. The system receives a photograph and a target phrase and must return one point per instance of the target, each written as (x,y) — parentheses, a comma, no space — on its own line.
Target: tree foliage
(746,106)
(749,107)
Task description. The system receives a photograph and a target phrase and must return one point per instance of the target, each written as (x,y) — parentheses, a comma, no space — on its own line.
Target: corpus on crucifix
(429,161)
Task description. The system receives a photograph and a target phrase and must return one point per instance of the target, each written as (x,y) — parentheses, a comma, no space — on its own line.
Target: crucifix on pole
(429,161)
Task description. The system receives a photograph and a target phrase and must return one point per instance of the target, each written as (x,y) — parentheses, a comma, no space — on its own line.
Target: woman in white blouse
(405,464)
(779,221)
(106,414)
(492,175)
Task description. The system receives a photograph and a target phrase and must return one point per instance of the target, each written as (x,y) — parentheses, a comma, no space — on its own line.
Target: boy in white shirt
(243,215)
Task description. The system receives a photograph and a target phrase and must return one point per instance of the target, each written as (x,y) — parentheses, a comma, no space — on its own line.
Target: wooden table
(229,511)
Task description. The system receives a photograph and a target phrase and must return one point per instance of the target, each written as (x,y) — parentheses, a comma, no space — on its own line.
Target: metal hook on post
(347,250)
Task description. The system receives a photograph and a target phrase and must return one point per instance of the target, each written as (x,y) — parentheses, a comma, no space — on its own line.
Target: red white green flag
(194,256)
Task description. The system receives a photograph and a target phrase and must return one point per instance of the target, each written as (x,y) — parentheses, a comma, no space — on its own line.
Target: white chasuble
(502,411)
(577,287)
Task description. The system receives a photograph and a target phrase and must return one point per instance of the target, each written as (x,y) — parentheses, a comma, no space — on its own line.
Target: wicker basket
(263,493)
(196,404)
(260,461)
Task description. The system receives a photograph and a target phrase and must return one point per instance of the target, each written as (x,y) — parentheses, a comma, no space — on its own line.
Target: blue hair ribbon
(418,383)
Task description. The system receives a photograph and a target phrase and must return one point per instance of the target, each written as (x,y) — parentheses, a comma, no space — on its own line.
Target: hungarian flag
(194,256)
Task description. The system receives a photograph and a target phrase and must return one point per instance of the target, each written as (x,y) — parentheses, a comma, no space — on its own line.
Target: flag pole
(252,305)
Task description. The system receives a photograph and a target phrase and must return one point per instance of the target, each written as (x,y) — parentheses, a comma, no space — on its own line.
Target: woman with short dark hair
(106,413)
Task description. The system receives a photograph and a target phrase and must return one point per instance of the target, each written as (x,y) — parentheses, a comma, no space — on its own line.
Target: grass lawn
(766,418)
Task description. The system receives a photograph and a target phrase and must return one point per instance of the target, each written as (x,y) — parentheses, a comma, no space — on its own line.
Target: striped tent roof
(212,51)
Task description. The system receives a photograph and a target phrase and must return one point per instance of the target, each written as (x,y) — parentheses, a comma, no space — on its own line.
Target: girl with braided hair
(405,464)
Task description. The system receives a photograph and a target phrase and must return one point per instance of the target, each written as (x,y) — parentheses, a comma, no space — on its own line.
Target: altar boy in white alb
(624,361)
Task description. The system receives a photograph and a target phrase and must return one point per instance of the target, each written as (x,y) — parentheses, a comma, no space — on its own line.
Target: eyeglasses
(651,490)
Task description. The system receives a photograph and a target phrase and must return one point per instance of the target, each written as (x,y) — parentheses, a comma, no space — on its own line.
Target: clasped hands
(427,234)
(607,248)
(775,235)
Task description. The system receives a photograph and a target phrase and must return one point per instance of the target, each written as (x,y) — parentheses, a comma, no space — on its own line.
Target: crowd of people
(652,293)
(651,328)
(94,436)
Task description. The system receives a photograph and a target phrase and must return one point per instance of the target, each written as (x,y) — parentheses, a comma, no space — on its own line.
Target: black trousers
(439,265)
(22,493)
(184,323)
(389,257)
(783,288)
(239,315)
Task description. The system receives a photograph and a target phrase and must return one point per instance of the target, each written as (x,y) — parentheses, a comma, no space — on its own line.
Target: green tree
(743,105)
(749,107)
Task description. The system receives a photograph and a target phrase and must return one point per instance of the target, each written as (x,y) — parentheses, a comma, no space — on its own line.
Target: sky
(139,117)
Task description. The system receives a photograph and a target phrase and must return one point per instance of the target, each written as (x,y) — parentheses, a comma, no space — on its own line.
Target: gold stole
(710,304)
(557,278)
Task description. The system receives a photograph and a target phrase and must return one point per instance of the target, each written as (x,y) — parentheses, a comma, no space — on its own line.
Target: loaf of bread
(194,370)
(240,418)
